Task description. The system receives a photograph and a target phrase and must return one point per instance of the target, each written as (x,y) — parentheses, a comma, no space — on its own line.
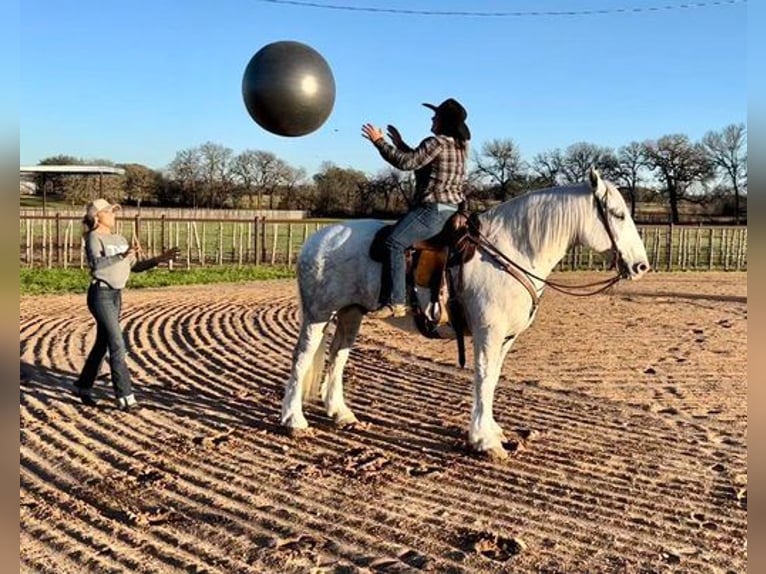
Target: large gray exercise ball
(288,88)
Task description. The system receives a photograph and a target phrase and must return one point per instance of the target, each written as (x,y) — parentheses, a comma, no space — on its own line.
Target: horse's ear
(596,183)
(594,176)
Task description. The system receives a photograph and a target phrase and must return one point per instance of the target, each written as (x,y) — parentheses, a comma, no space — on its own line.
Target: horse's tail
(312,380)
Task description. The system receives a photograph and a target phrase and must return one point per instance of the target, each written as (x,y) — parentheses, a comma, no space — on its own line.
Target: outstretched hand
(170,254)
(396,137)
(372,133)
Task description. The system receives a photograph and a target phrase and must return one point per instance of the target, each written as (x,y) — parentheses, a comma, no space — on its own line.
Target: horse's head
(614,229)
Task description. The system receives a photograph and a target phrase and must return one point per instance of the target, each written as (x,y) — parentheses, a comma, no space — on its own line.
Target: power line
(514,14)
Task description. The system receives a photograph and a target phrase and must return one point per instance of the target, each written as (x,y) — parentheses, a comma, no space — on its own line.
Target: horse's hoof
(298,432)
(495,454)
(354,426)
(346,421)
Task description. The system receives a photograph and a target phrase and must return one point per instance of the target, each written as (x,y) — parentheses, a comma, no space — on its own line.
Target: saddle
(429,263)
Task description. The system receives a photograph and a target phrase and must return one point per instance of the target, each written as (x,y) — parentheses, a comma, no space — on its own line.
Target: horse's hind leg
(346,330)
(308,363)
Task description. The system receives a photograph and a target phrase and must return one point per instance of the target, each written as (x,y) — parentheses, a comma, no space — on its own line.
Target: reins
(512,268)
(523,275)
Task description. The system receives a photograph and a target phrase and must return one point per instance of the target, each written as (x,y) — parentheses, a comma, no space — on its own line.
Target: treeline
(668,172)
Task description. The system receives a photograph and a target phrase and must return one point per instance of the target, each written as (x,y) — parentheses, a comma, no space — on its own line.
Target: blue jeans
(421,223)
(105,305)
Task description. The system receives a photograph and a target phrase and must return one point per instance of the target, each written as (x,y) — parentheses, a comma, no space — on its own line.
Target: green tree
(338,189)
(140,183)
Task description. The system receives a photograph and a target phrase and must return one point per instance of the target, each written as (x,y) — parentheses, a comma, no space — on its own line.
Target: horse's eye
(617,215)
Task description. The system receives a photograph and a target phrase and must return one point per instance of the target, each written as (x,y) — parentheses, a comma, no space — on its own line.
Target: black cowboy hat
(453,116)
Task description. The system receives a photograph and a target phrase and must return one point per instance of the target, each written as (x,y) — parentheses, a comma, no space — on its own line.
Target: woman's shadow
(50,386)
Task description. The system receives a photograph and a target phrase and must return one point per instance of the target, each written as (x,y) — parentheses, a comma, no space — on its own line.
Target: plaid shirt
(439,165)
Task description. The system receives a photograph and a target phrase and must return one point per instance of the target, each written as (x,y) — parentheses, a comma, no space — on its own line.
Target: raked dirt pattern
(628,413)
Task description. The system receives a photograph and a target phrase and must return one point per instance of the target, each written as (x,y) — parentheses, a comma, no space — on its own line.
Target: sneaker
(389,311)
(85,396)
(127,403)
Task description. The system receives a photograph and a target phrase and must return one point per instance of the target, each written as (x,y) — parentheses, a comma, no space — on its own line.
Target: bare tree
(186,171)
(548,166)
(388,191)
(291,183)
(217,177)
(581,156)
(262,172)
(727,149)
(253,170)
(631,162)
(680,164)
(500,162)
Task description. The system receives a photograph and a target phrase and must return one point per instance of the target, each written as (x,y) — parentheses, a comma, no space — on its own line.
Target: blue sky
(139,81)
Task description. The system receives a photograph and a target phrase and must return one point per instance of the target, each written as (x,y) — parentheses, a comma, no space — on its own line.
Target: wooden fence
(56,241)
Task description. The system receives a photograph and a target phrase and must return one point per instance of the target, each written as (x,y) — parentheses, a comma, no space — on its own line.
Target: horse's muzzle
(637,270)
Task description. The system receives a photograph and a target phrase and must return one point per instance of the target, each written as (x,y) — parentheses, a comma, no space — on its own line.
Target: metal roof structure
(73,169)
(87,170)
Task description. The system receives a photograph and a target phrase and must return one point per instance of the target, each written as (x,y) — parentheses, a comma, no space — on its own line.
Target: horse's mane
(540,217)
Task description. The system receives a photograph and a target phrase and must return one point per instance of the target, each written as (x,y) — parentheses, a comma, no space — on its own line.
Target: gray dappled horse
(338,281)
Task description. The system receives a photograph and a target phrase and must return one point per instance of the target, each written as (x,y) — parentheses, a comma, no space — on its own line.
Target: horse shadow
(691,296)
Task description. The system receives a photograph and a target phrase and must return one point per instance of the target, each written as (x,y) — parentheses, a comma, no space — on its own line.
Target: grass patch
(51,281)
(52,203)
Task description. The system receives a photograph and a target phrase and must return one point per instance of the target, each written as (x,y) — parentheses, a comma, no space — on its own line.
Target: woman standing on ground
(111,261)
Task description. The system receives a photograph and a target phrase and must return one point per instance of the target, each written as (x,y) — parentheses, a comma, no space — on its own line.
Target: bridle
(524,276)
(617,258)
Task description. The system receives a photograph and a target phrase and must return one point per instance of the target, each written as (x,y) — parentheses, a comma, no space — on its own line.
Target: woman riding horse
(439,164)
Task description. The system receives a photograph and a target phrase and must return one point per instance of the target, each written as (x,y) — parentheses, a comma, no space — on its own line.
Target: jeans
(105,305)
(421,223)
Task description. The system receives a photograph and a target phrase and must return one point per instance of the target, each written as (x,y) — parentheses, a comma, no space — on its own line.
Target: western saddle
(428,264)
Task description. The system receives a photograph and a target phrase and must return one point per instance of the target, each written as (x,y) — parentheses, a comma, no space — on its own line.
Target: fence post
(256,242)
(289,245)
(263,239)
(274,246)
(58,238)
(220,243)
(137,231)
(669,248)
(162,233)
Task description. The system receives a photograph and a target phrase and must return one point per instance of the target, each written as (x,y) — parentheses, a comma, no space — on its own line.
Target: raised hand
(372,133)
(396,138)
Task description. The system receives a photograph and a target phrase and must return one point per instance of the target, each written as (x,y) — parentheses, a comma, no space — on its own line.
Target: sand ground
(629,412)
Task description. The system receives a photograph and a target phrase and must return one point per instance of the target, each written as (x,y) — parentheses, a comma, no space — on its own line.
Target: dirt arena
(628,410)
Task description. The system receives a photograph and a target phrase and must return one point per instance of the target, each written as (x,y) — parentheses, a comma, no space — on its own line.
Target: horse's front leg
(346,330)
(484,434)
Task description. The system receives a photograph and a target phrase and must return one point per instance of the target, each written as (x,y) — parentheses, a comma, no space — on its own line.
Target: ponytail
(88,223)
